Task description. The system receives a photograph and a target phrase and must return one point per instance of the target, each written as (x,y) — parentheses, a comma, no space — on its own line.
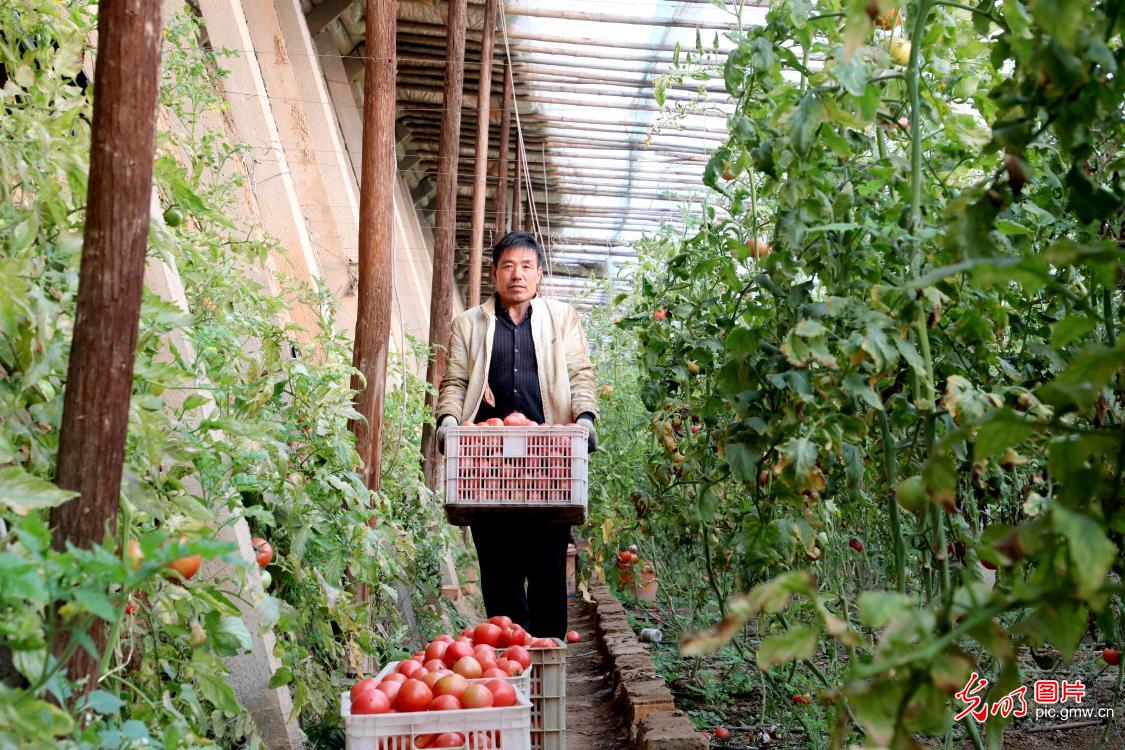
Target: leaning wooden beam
(502,169)
(324,14)
(376,238)
(322,152)
(99,377)
(480,162)
(251,113)
(441,299)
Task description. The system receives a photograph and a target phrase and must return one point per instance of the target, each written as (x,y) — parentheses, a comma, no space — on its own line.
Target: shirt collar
(503,311)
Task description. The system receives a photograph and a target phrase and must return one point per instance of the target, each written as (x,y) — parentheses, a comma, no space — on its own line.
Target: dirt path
(591,721)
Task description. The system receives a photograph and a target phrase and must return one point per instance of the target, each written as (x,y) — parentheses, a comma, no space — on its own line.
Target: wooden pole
(502,166)
(445,229)
(99,382)
(481,161)
(376,238)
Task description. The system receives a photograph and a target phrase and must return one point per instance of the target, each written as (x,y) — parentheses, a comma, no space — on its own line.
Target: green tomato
(911,494)
(173,216)
(267,579)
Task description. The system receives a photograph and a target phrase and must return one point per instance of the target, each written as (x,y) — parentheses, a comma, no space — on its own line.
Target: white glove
(442,429)
(591,434)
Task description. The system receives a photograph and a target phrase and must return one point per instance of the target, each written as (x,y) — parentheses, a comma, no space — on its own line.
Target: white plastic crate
(548,697)
(483,728)
(521,682)
(540,468)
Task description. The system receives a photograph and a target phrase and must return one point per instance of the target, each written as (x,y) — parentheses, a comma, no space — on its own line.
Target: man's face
(517,275)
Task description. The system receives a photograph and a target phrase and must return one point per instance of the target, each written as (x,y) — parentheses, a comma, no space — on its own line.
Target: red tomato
(487,634)
(390,689)
(419,673)
(516,419)
(457,651)
(431,678)
(408,667)
(518,654)
(363,686)
(445,703)
(468,667)
(573,637)
(395,677)
(512,667)
(494,422)
(520,637)
(263,551)
(503,694)
(433,665)
(722,732)
(483,648)
(371,702)
(495,673)
(452,684)
(447,739)
(542,643)
(625,556)
(436,650)
(477,696)
(444,639)
(413,696)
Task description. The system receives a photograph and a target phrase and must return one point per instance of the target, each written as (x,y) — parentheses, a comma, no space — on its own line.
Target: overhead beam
(635,20)
(325,13)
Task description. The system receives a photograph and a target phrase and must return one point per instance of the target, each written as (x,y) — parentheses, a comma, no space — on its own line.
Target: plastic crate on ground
(541,469)
(548,697)
(483,728)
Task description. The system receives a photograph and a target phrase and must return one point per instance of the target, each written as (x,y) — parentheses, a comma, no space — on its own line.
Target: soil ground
(592,722)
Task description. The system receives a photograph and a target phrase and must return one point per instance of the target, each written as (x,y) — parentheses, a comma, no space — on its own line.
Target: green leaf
(97,603)
(805,122)
(1091,552)
(194,401)
(1078,385)
(215,689)
(228,635)
(797,643)
(103,702)
(23,492)
(857,387)
(1069,329)
(877,608)
(1000,431)
(773,595)
(742,461)
(281,677)
(1061,623)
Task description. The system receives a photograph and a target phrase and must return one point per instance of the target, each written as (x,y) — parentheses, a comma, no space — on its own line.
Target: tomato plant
(928,360)
(234,414)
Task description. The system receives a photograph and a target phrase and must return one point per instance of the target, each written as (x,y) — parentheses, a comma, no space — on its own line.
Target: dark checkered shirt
(513,373)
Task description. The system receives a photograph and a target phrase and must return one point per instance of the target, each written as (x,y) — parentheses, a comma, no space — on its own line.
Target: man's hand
(443,428)
(591,434)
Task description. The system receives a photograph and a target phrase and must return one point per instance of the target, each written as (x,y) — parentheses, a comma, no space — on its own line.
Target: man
(520,352)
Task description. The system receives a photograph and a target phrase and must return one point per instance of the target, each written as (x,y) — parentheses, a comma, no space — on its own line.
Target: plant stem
(1107,313)
(896,517)
(971,9)
(912,74)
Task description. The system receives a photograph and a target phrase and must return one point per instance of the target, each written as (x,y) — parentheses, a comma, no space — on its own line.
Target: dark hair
(517,240)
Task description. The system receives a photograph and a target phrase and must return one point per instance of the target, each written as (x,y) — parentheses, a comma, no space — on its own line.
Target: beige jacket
(566,376)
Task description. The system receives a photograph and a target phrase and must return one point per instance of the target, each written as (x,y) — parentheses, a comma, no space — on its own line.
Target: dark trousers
(514,552)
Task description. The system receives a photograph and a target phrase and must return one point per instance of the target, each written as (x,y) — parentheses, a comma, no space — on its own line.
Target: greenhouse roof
(606,163)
